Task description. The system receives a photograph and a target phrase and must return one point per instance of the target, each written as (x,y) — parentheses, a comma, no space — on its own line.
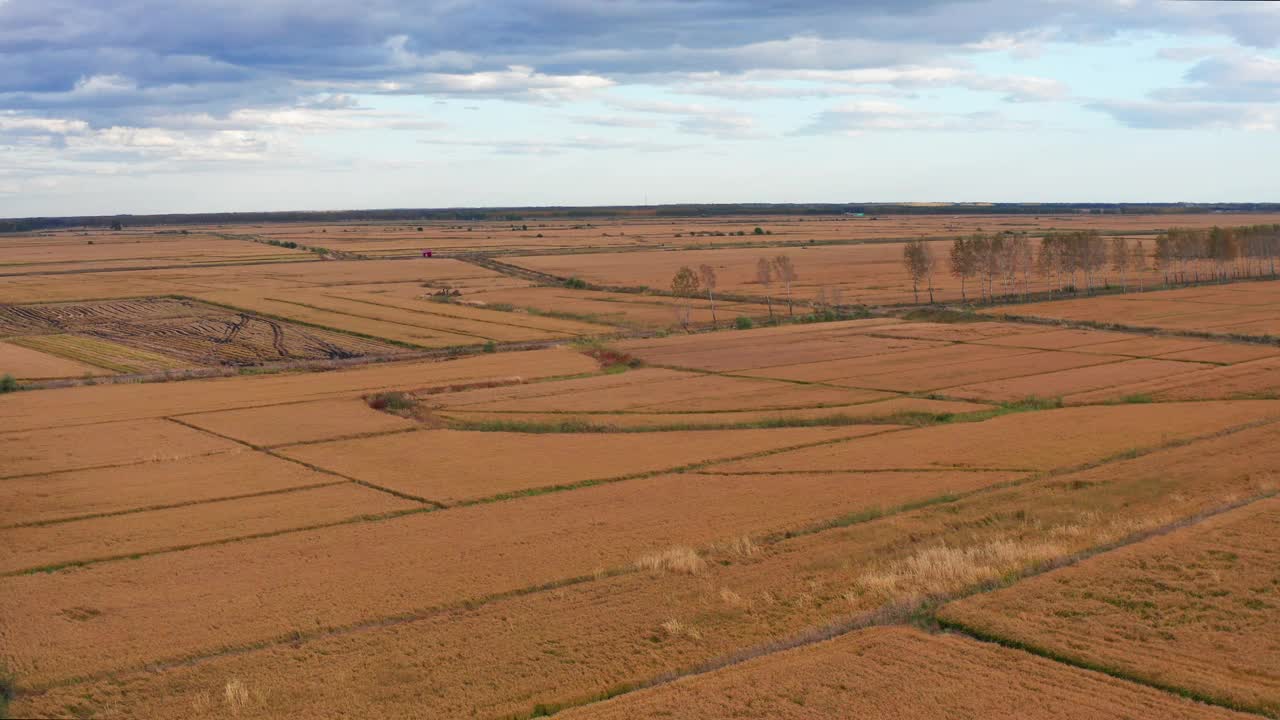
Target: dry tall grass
(683,560)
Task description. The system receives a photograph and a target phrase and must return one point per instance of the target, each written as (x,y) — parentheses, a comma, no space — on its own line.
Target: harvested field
(1255,379)
(299,422)
(30,364)
(582,641)
(648,312)
(1030,441)
(450,467)
(102,353)
(1227,354)
(1077,380)
(80,406)
(890,410)
(899,673)
(1238,309)
(333,580)
(1194,610)
(653,390)
(44,498)
(28,548)
(33,452)
(195,332)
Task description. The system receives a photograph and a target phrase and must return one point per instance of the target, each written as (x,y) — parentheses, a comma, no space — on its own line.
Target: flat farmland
(464,489)
(1193,610)
(26,363)
(968,678)
(451,467)
(1246,309)
(573,644)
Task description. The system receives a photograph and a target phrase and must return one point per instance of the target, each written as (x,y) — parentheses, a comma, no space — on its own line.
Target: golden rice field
(243,480)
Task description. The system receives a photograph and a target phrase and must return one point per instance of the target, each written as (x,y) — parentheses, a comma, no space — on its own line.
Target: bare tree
(685,287)
(915,258)
(964,263)
(764,276)
(786,272)
(707,275)
(1120,260)
(1138,262)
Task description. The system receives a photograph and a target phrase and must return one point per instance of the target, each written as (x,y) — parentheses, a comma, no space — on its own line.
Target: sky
(153,106)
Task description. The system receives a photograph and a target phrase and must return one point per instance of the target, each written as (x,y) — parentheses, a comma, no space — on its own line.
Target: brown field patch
(1039,440)
(1195,610)
(29,452)
(82,405)
(578,642)
(1076,380)
(653,390)
(1237,309)
(25,548)
(193,331)
(1059,339)
(449,466)
(360,572)
(1253,379)
(882,409)
(299,422)
(766,347)
(1229,354)
(29,364)
(899,673)
(40,498)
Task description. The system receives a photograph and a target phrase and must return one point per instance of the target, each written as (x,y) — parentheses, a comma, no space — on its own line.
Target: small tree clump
(707,275)
(576,283)
(685,287)
(8,384)
(743,323)
(786,273)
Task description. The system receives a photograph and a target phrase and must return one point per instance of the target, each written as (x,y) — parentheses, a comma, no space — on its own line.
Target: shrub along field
(458,487)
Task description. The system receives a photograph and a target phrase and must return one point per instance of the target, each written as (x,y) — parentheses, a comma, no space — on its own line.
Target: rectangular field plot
(41,498)
(1194,610)
(1034,441)
(114,356)
(1076,380)
(492,660)
(26,363)
(1253,379)
(880,411)
(87,446)
(1238,309)
(365,571)
(299,422)
(190,331)
(449,466)
(652,390)
(25,548)
(898,674)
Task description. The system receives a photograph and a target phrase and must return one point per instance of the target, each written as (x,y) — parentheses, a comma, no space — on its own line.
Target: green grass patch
(8,384)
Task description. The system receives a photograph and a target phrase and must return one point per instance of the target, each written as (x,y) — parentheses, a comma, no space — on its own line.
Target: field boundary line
(845,520)
(920,613)
(109,466)
(168,506)
(309,466)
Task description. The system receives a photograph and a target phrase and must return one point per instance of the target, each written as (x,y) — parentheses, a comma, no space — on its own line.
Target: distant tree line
(515,214)
(1002,264)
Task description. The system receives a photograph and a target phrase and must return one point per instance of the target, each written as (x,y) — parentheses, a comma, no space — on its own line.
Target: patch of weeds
(8,384)
(1138,399)
(8,690)
(611,360)
(402,404)
(576,283)
(743,323)
(491,347)
(943,315)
